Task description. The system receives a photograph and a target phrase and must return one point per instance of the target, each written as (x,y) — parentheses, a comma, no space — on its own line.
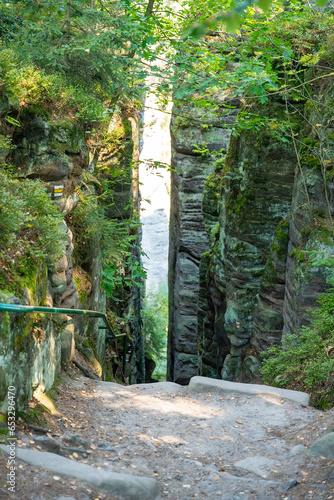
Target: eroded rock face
(30,347)
(63,289)
(34,350)
(265,215)
(243,275)
(67,345)
(50,150)
(188,237)
(54,151)
(312,212)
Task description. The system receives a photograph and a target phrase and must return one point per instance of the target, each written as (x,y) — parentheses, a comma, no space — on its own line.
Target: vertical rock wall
(259,177)
(312,211)
(242,271)
(188,237)
(33,350)
(30,346)
(254,186)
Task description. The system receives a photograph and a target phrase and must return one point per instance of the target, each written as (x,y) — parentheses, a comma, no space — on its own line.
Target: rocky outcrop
(63,289)
(254,186)
(56,151)
(188,237)
(248,269)
(258,196)
(311,237)
(34,349)
(30,345)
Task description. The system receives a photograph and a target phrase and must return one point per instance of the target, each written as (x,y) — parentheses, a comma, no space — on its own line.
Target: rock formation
(33,350)
(188,236)
(244,230)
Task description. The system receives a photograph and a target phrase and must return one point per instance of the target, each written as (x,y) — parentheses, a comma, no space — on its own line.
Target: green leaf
(264,4)
(321,3)
(12,121)
(287,54)
(232,22)
(194,31)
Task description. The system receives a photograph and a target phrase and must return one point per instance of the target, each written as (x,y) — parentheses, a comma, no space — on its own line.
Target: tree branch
(149,8)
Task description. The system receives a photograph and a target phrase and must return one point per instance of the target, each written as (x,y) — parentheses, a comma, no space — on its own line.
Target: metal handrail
(84,312)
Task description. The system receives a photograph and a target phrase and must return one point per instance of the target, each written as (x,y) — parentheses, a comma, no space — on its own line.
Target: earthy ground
(191,443)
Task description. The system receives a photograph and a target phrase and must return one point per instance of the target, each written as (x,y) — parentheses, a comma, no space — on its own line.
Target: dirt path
(196,446)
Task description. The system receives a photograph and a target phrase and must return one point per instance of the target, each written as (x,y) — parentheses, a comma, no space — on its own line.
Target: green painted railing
(15,308)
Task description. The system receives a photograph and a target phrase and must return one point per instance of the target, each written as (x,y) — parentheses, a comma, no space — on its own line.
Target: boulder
(204,384)
(323,447)
(124,485)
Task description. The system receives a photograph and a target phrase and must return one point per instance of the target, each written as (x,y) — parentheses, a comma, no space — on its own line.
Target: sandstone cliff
(63,156)
(244,230)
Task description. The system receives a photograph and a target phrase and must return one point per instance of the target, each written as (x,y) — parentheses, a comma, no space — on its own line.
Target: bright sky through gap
(155,185)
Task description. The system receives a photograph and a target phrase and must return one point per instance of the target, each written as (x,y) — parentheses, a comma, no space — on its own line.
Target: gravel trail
(197,446)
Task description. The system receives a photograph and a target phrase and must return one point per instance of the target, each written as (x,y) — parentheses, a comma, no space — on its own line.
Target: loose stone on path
(126,486)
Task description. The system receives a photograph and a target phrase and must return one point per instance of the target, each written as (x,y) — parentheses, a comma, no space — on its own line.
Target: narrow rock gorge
(251,219)
(242,229)
(99,398)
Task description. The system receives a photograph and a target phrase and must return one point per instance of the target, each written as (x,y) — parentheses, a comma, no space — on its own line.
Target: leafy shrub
(305,361)
(93,229)
(29,227)
(9,24)
(155,331)
(33,86)
(128,272)
(87,65)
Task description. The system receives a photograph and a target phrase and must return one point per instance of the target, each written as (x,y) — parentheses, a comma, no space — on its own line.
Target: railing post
(125,347)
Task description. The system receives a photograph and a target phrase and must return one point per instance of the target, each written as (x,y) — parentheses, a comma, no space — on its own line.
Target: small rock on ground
(323,447)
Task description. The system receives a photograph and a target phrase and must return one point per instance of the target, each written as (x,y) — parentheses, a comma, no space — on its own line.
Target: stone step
(205,384)
(124,485)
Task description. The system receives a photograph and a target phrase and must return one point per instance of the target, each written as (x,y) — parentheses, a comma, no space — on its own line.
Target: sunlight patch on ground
(276,400)
(154,403)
